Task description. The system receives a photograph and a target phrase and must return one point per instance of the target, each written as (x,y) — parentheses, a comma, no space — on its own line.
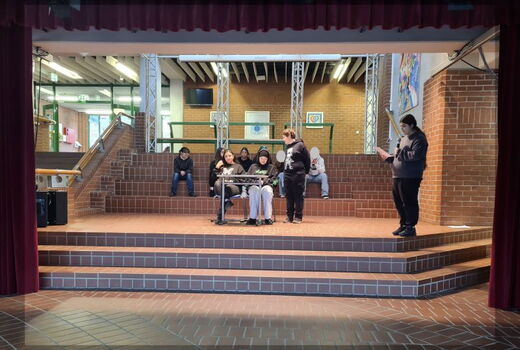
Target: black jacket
(297,159)
(409,161)
(266,169)
(180,164)
(246,164)
(233,169)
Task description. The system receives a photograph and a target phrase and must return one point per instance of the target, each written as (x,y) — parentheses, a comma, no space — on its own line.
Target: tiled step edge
(286,260)
(266,282)
(259,241)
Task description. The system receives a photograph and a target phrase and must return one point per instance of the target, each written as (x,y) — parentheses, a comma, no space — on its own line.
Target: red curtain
(226,15)
(504,291)
(18,240)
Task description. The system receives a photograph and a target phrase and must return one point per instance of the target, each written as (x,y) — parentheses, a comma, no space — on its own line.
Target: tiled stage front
(323,256)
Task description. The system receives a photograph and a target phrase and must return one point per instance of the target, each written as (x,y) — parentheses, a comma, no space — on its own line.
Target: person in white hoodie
(317,172)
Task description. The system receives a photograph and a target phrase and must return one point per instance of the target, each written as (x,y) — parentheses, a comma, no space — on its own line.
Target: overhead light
(129,99)
(105,92)
(122,68)
(62,70)
(259,58)
(98,111)
(342,72)
(337,70)
(65,98)
(46,91)
(54,77)
(215,70)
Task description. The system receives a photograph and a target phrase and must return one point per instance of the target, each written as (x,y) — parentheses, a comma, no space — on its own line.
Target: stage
(333,256)
(312,226)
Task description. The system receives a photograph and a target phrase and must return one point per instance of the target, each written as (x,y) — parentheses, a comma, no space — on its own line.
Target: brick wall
(342,104)
(98,170)
(42,141)
(385,84)
(460,123)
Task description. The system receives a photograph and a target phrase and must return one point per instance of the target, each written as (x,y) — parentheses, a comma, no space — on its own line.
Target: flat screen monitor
(199,97)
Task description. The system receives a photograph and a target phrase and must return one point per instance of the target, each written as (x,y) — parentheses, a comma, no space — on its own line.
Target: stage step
(287,260)
(276,237)
(336,189)
(209,206)
(423,284)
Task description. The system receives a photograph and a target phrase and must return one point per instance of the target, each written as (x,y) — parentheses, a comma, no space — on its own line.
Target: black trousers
(405,193)
(294,187)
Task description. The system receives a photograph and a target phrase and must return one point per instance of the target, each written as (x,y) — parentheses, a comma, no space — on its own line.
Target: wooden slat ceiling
(96,70)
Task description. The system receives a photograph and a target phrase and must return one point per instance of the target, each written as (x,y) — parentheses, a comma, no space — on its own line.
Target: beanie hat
(263,153)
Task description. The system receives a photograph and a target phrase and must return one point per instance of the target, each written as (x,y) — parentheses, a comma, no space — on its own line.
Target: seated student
(212,175)
(264,195)
(227,166)
(245,159)
(182,170)
(281,187)
(317,172)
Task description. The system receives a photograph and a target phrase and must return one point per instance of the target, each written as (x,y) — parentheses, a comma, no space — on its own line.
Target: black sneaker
(251,222)
(409,231)
(399,230)
(268,221)
(192,195)
(288,220)
(297,221)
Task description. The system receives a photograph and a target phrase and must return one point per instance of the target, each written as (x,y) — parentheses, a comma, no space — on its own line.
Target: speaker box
(41,209)
(57,208)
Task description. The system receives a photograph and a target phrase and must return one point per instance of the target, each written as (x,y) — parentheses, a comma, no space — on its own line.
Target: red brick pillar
(459,119)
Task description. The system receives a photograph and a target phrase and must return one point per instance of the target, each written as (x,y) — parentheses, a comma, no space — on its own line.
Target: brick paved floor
(123,320)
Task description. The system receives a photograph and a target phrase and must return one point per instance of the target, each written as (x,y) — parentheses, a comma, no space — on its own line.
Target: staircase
(326,255)
(359,185)
(245,261)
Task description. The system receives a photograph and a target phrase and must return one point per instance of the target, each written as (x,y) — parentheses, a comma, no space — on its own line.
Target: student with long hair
(227,166)
(212,175)
(408,163)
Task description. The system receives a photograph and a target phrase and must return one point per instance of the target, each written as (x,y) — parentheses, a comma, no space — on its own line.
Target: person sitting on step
(212,175)
(227,166)
(317,173)
(245,159)
(182,170)
(263,195)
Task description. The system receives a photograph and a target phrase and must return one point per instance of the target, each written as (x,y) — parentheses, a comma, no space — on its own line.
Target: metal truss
(152,111)
(371,97)
(297,97)
(222,117)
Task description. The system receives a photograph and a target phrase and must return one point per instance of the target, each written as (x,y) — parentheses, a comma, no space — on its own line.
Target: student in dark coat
(297,165)
(212,175)
(182,170)
(227,166)
(262,195)
(408,163)
(245,159)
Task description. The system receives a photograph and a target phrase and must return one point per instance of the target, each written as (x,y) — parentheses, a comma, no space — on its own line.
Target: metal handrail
(41,171)
(99,144)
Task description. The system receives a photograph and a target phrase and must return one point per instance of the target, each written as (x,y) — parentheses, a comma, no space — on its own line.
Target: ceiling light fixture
(215,70)
(337,70)
(105,92)
(343,71)
(60,69)
(122,68)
